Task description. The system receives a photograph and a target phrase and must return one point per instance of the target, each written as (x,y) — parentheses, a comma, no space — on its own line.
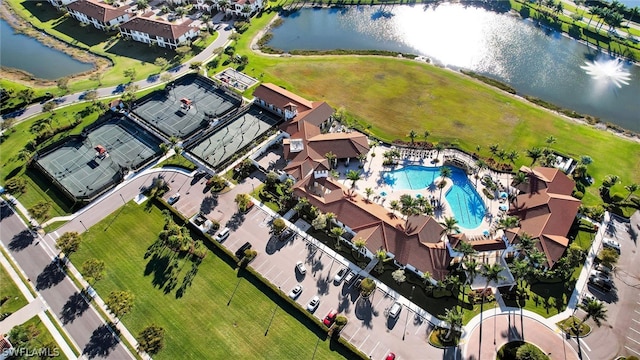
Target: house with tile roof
(546,210)
(158,32)
(99,14)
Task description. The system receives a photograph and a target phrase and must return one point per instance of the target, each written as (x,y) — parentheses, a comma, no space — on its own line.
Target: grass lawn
(178,160)
(9,289)
(390,97)
(199,324)
(39,337)
(569,325)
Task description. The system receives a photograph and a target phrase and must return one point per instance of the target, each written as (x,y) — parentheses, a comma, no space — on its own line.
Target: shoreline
(253,46)
(20,25)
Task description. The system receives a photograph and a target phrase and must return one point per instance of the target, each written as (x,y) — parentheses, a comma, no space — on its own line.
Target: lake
(23,52)
(535,61)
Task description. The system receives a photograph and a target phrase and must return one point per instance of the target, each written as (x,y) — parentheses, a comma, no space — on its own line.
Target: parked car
(357,283)
(240,252)
(390,356)
(295,292)
(286,235)
(300,267)
(611,244)
(600,274)
(604,269)
(174,198)
(350,276)
(395,310)
(340,275)
(600,283)
(330,318)
(222,235)
(586,297)
(313,303)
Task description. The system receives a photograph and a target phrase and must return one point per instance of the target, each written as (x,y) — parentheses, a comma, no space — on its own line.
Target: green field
(38,337)
(9,290)
(390,97)
(198,324)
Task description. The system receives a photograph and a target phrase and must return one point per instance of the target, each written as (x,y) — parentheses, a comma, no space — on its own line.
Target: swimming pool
(463,199)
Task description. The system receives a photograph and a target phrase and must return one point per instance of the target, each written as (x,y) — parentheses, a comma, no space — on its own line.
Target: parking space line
(637,322)
(637,312)
(364,341)
(630,349)
(418,329)
(632,329)
(635,341)
(354,334)
(276,277)
(374,348)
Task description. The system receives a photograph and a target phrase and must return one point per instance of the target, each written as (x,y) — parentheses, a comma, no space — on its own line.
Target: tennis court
(237,134)
(83,172)
(185,106)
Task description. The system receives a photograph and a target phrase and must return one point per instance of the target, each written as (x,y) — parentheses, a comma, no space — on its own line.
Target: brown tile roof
(379,227)
(98,10)
(343,145)
(280,98)
(548,210)
(155,27)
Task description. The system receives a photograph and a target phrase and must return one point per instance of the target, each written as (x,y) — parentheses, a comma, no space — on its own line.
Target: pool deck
(372,177)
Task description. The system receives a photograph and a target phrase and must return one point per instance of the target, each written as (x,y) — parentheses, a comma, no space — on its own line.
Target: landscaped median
(221,312)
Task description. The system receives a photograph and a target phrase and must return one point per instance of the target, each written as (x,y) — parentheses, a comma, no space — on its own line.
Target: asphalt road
(80,320)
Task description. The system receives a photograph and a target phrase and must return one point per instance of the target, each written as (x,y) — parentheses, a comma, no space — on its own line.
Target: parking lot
(620,334)
(369,328)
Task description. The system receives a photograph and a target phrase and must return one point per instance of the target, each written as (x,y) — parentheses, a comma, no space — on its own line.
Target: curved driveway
(494,331)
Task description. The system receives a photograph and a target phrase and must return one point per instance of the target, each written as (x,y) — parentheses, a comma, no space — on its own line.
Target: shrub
(578,194)
(16,185)
(40,210)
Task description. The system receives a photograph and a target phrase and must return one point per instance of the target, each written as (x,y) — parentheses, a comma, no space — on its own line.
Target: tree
(453,319)
(337,232)
(354,176)
(439,147)
(49,106)
(130,73)
(492,273)
(631,188)
(534,153)
(161,62)
(93,269)
(182,50)
(320,222)
(277,226)
(63,84)
(69,242)
(91,95)
(141,5)
(471,268)
(242,200)
(331,157)
(466,249)
(413,135)
(445,173)
(26,95)
(120,303)
(450,226)
(395,206)
(513,155)
(608,257)
(520,269)
(151,339)
(425,135)
(16,185)
(529,351)
(399,276)
(360,244)
(181,11)
(7,123)
(368,192)
(166,77)
(634,11)
(367,287)
(508,222)
(519,178)
(594,310)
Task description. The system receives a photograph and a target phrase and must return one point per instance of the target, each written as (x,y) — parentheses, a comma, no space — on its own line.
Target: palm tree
(631,188)
(466,249)
(534,153)
(412,135)
(337,232)
(493,148)
(471,268)
(453,318)
(141,5)
(395,206)
(439,147)
(368,191)
(593,10)
(550,140)
(425,135)
(519,178)
(445,173)
(492,273)
(634,11)
(508,222)
(595,310)
(354,176)
(331,157)
(360,244)
(513,155)
(526,243)
(362,157)
(181,11)
(450,226)
(520,269)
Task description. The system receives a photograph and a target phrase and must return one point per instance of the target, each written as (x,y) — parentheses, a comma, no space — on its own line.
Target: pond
(534,60)
(25,53)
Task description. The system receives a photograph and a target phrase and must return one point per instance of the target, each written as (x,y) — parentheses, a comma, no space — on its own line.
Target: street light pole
(84,226)
(124,202)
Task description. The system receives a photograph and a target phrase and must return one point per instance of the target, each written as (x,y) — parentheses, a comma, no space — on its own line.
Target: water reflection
(534,60)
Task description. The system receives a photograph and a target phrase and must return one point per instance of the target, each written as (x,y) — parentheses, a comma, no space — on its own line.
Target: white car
(313,303)
(295,292)
(586,297)
(610,243)
(600,274)
(300,267)
(173,199)
(349,277)
(340,275)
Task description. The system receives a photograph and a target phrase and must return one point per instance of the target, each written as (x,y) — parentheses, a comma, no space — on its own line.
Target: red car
(391,356)
(330,318)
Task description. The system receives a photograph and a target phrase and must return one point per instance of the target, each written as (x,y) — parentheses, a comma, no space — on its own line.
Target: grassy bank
(11,298)
(198,323)
(390,97)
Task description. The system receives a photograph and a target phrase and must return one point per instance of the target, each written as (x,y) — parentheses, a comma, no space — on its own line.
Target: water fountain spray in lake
(610,70)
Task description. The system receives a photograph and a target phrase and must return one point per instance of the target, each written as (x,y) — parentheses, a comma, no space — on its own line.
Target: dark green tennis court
(85,166)
(166,110)
(233,136)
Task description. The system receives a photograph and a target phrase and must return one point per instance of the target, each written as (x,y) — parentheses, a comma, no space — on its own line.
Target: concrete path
(23,315)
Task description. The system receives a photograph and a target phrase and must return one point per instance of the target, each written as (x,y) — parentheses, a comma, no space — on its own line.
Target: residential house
(99,14)
(158,32)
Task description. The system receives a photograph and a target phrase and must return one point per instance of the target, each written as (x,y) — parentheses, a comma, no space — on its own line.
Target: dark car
(240,252)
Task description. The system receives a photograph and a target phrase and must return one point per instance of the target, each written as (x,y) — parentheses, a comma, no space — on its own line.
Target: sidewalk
(35,307)
(34,304)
